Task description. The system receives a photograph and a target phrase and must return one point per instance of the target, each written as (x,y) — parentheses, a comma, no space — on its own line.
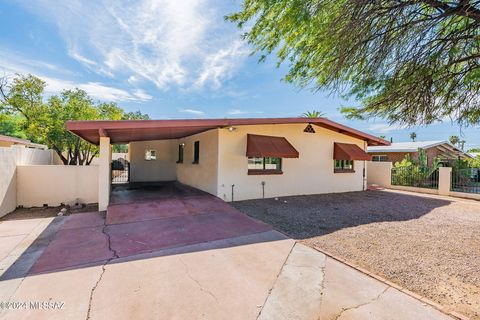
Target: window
(343,166)
(181,148)
(150,154)
(196,152)
(267,165)
(380,158)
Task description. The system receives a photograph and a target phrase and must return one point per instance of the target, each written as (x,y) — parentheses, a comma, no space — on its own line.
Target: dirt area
(45,212)
(428,245)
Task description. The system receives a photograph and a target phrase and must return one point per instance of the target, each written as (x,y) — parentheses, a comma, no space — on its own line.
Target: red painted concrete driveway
(141,227)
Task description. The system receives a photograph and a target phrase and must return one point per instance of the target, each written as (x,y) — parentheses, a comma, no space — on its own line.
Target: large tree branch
(464,9)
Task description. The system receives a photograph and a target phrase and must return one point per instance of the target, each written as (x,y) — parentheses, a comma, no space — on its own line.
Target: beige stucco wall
(9,159)
(379,173)
(311,173)
(161,169)
(203,175)
(50,184)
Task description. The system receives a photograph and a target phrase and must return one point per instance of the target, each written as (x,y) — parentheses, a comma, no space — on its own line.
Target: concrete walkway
(81,271)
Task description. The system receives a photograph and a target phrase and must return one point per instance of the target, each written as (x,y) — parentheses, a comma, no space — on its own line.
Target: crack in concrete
(362,304)
(187,271)
(115,256)
(322,287)
(275,281)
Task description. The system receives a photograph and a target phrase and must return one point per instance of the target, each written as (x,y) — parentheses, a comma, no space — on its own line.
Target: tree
(12,126)
(413,136)
(474,150)
(454,140)
(382,137)
(461,144)
(313,114)
(408,61)
(44,122)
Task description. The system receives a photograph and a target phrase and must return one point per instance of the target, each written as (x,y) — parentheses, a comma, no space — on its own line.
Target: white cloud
(221,65)
(385,127)
(183,43)
(11,64)
(96,90)
(234,112)
(192,111)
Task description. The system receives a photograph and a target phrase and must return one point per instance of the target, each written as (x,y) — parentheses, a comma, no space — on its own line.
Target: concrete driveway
(183,257)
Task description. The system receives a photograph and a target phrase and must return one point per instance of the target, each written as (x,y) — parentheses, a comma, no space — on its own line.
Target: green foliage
(313,114)
(474,163)
(411,62)
(24,113)
(12,126)
(474,150)
(454,140)
(413,136)
(415,173)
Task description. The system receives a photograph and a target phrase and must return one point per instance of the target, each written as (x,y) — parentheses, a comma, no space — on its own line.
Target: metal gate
(120,171)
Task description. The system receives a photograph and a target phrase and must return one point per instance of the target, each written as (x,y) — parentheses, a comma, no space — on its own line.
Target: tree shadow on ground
(302,217)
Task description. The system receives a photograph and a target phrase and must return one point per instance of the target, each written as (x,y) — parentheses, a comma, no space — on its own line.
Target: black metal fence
(120,171)
(415,177)
(466,180)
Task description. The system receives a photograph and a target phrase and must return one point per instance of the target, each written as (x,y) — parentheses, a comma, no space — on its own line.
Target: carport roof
(124,131)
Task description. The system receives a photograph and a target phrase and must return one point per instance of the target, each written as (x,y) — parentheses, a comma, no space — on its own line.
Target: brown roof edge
(80,128)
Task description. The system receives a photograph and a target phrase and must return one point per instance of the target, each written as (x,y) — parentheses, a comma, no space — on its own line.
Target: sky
(170,59)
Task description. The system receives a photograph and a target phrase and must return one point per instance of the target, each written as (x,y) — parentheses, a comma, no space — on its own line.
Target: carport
(223,143)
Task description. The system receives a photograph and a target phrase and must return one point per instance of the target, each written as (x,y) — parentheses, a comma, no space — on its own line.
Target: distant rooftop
(442,145)
(408,146)
(23,142)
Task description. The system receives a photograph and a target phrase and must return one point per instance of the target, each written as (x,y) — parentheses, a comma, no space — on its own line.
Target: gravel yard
(44,212)
(429,245)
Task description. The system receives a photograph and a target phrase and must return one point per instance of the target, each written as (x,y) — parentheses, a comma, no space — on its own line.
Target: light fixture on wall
(231,128)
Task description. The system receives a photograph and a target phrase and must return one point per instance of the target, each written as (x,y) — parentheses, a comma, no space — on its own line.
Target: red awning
(347,151)
(267,146)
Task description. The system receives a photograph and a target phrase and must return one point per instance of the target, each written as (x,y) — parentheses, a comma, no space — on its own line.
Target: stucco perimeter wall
(161,169)
(379,173)
(54,185)
(204,175)
(311,173)
(9,159)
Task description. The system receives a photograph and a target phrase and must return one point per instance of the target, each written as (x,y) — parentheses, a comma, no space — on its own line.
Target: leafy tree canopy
(28,115)
(408,61)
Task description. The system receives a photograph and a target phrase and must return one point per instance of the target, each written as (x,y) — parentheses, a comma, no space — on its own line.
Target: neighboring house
(397,151)
(236,159)
(7,141)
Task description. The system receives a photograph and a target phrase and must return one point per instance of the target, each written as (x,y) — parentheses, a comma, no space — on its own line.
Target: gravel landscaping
(429,245)
(45,212)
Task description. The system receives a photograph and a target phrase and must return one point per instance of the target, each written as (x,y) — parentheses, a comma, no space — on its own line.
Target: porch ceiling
(125,131)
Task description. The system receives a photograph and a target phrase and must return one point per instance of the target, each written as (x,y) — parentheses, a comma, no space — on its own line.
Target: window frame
(181,152)
(264,170)
(196,152)
(379,157)
(148,155)
(342,169)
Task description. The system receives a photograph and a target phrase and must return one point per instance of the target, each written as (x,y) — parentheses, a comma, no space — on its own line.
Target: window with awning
(265,154)
(268,146)
(347,151)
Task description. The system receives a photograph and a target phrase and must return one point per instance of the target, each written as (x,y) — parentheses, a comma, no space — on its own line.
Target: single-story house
(7,141)
(236,159)
(396,151)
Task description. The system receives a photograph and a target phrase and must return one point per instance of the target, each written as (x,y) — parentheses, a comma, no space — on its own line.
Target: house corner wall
(204,175)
